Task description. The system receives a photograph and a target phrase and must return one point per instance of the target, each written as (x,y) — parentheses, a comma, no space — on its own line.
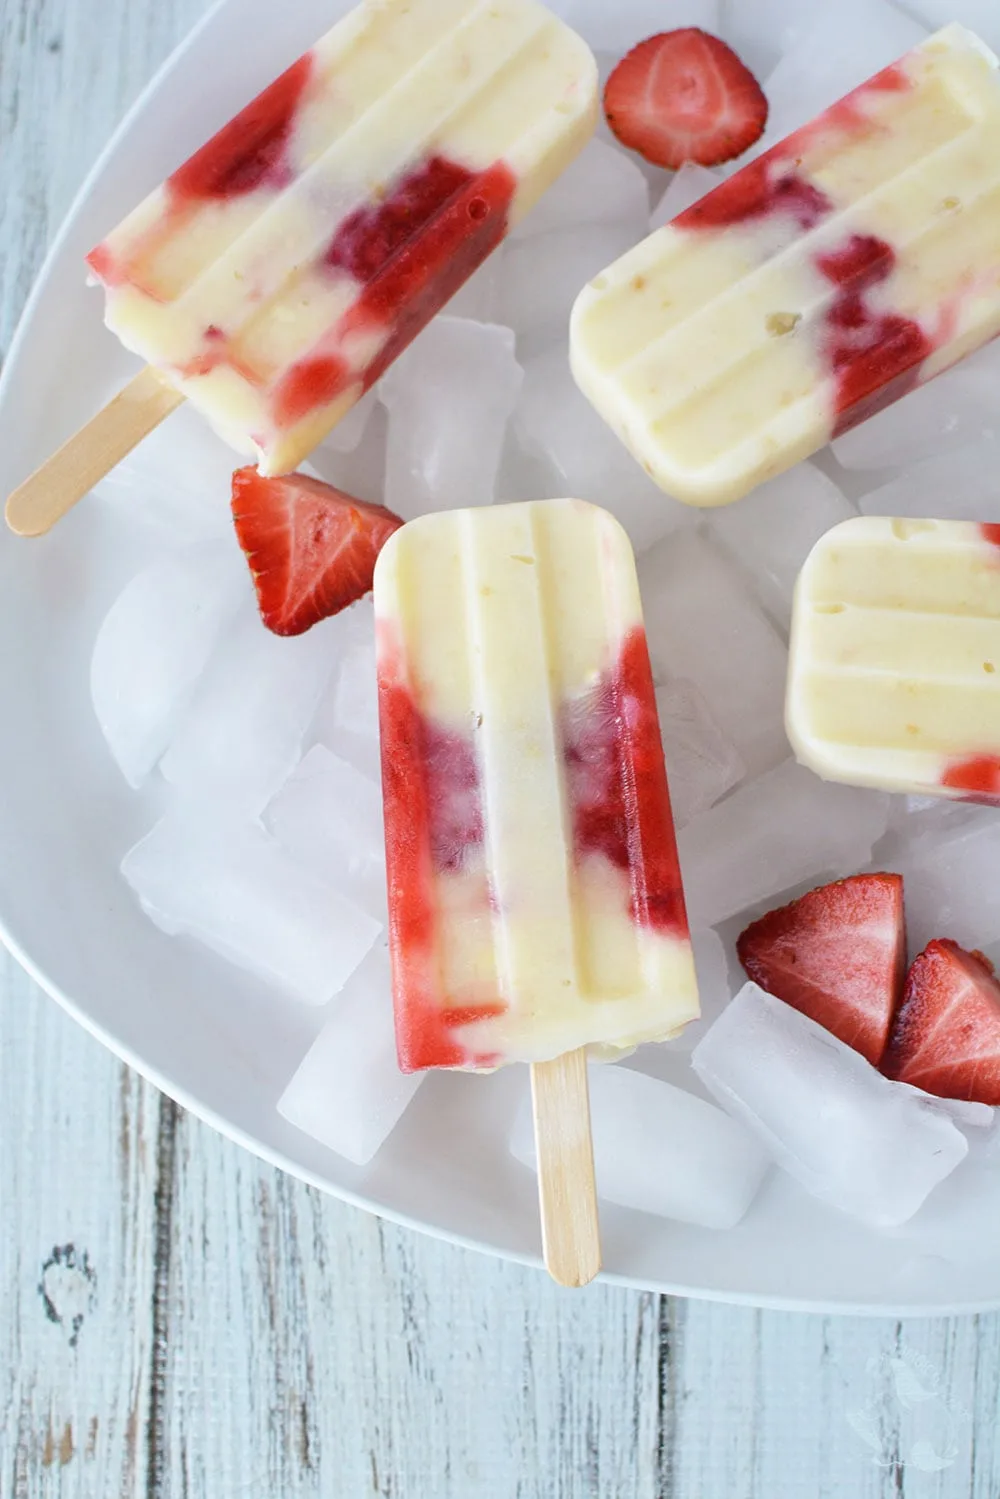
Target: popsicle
(535,900)
(278,272)
(894,669)
(821,282)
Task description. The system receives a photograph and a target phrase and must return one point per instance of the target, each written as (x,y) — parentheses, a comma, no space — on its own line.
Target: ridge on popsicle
(278,273)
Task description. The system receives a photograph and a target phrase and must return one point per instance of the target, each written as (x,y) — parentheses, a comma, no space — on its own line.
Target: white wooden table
(177,1319)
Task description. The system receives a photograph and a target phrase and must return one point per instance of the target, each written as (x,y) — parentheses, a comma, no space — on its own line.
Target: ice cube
(703,624)
(477,299)
(348,432)
(609,26)
(213,875)
(949,875)
(714,991)
(602,185)
(958,408)
(831,1120)
(349,1092)
(958,485)
(361,471)
(967,1114)
(449,398)
(242,734)
(686,187)
(913,815)
(842,48)
(154,644)
(329,817)
(347,717)
(662,1151)
(983,1136)
(761,30)
(178,479)
(773,530)
(775,832)
(542,276)
(526,473)
(701,762)
(556,423)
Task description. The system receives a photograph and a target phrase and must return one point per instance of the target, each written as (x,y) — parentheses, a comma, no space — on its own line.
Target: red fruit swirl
(875,355)
(618,790)
(432,814)
(765,187)
(250,151)
(978,776)
(411,252)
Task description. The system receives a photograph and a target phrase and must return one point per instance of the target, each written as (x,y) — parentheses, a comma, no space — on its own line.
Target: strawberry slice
(311,548)
(837,954)
(946,1037)
(684,96)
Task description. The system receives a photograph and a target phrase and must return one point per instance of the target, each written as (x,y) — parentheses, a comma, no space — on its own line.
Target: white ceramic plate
(220,1044)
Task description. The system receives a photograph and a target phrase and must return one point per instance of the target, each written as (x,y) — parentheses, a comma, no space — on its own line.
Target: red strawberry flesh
(684,96)
(946,1037)
(838,954)
(311,548)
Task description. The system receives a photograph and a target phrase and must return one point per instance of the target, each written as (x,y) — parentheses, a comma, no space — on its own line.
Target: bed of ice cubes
(263,753)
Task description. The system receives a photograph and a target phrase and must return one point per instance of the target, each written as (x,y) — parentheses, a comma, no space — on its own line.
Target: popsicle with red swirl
(819,283)
(277,273)
(534,892)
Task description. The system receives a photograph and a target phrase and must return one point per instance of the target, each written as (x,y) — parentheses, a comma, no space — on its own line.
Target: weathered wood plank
(339,1345)
(77,1131)
(776,1406)
(77,1176)
(67,74)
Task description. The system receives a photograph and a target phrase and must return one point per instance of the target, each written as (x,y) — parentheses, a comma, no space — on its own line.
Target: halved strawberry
(946,1037)
(837,954)
(311,548)
(684,96)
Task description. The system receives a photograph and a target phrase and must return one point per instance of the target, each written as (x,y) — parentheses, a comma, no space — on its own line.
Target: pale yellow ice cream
(894,671)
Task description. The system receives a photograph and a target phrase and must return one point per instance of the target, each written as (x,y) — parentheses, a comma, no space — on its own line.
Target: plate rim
(205,1112)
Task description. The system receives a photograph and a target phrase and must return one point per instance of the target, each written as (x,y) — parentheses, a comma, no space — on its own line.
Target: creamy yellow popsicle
(855,259)
(277,273)
(894,670)
(534,893)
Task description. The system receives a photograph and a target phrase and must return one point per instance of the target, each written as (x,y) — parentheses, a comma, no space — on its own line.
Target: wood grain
(249,1336)
(384,1362)
(77,1171)
(68,72)
(567,1192)
(74,469)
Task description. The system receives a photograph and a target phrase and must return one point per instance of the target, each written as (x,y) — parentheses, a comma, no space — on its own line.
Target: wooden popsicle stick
(72,471)
(567,1193)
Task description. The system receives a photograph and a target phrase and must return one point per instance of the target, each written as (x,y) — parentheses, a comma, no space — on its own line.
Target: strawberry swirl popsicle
(852,261)
(276,274)
(894,667)
(534,891)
